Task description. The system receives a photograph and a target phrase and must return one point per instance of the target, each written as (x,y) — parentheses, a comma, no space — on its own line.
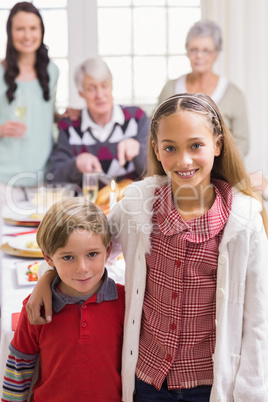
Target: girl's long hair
(11,59)
(228,166)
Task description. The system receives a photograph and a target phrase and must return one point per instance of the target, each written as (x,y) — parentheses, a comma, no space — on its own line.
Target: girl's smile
(187,174)
(186,149)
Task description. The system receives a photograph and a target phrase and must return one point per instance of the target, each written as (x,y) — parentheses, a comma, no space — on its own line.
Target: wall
(244,61)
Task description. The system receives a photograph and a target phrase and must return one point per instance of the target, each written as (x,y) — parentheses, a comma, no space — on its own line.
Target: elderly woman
(107,137)
(203,44)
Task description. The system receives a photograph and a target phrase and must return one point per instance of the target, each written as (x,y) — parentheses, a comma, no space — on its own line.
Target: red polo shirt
(80,350)
(178,323)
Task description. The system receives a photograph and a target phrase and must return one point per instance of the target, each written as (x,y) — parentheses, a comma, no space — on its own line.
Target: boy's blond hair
(64,217)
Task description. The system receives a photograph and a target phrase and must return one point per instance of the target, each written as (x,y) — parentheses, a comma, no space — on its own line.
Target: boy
(80,350)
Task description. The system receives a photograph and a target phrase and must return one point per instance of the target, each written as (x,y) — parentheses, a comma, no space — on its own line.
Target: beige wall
(244,61)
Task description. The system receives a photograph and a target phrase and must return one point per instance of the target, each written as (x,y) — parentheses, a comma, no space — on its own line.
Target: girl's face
(80,263)
(26,32)
(186,149)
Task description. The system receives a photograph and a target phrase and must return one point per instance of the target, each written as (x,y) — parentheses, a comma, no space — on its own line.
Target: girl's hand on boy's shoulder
(39,306)
(37,313)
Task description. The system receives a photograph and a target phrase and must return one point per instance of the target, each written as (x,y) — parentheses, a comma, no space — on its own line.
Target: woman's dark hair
(11,60)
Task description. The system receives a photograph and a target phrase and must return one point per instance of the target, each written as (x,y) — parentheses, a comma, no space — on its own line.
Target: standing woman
(203,44)
(27,93)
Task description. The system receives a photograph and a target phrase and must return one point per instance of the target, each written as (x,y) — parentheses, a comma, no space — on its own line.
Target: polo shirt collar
(199,229)
(107,292)
(87,122)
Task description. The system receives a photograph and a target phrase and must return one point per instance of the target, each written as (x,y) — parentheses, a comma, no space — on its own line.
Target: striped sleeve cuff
(17,377)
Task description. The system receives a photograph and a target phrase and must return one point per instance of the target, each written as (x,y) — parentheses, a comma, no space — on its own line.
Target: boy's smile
(80,263)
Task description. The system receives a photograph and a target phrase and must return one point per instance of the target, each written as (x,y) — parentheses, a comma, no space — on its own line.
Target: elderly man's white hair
(96,68)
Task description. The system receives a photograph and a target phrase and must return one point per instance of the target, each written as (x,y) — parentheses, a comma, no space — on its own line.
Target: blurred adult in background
(203,44)
(28,81)
(107,137)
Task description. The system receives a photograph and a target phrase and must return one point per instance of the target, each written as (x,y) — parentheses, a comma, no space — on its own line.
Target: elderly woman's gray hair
(205,28)
(96,68)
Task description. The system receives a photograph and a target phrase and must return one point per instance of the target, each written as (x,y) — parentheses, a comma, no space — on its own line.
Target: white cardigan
(241,351)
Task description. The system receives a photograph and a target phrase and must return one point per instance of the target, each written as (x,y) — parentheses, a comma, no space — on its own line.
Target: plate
(20,242)
(22,220)
(21,269)
(5,248)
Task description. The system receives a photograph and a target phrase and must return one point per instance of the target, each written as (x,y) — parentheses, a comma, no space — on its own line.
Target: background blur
(143,44)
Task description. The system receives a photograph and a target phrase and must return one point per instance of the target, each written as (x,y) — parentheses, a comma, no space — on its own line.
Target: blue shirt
(22,158)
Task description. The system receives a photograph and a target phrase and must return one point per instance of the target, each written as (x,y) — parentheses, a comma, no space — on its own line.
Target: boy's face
(80,263)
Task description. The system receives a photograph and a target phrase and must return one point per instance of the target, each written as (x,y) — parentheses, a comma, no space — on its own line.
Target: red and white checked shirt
(178,333)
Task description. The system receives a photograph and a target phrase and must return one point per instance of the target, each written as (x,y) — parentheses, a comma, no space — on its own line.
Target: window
(143,42)
(53,12)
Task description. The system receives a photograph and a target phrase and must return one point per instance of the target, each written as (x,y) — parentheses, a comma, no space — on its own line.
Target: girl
(196,252)
(27,90)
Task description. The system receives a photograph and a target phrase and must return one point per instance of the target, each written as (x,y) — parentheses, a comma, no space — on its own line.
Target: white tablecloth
(11,297)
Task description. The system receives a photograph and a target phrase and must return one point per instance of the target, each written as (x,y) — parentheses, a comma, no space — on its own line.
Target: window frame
(166,56)
(83,42)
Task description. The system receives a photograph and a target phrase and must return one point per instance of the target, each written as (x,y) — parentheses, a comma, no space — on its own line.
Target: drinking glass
(20,113)
(90,186)
(20,107)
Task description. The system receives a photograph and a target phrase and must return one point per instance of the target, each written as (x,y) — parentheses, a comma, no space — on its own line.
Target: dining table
(12,291)
(14,287)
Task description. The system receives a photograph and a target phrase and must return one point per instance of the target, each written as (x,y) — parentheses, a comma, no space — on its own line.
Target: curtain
(244,60)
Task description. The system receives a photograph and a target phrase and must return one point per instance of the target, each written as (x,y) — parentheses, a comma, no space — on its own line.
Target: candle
(112,194)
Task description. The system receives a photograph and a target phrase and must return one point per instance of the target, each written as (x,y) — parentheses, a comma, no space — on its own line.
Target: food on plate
(36,216)
(105,208)
(103,196)
(32,271)
(32,244)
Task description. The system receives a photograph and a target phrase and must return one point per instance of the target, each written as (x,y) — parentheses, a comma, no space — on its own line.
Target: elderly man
(107,137)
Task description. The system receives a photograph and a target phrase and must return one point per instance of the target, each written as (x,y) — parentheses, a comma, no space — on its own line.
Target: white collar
(86,120)
(220,89)
(180,87)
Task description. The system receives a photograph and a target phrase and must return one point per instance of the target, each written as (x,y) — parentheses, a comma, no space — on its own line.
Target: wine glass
(20,113)
(20,110)
(90,186)
(20,107)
